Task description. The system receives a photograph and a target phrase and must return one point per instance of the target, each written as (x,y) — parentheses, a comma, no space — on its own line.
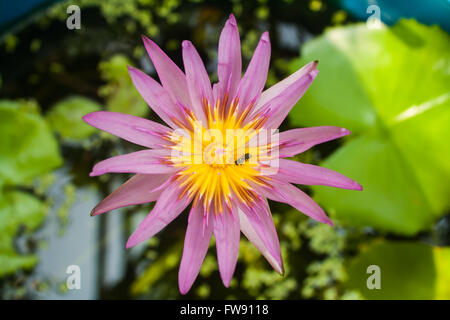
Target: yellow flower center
(222,160)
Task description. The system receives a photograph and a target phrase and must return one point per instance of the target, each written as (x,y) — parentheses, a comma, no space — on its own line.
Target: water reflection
(79,244)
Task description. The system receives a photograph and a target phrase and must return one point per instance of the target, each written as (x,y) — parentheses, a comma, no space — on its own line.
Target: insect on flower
(220,153)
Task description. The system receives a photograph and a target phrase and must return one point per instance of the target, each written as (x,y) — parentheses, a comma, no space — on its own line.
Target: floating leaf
(65,117)
(390,86)
(407,270)
(27,146)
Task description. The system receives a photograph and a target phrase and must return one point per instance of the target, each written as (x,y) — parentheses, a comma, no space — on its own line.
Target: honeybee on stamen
(242,159)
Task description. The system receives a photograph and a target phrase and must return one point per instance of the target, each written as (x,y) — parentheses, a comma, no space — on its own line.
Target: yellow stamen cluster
(218,162)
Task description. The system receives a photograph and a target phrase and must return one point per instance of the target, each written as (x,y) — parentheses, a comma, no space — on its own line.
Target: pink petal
(229,66)
(227,234)
(171,77)
(296,141)
(139,189)
(287,193)
(168,206)
(134,129)
(156,96)
(196,243)
(254,79)
(279,107)
(278,88)
(145,161)
(197,79)
(301,173)
(215,91)
(257,225)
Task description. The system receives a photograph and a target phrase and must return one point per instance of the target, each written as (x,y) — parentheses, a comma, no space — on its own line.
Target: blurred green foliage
(119,92)
(371,81)
(17,209)
(28,150)
(64,117)
(131,10)
(324,277)
(156,270)
(27,147)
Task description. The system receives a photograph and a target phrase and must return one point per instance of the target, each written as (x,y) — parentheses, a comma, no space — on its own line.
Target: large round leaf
(390,87)
(407,270)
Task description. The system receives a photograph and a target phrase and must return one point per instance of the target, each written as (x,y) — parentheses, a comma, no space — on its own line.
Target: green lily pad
(17,209)
(27,146)
(65,117)
(390,87)
(407,270)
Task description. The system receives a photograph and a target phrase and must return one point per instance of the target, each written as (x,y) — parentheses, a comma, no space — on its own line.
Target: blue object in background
(425,11)
(14,13)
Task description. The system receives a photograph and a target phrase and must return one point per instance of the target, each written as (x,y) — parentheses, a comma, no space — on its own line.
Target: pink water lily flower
(226,181)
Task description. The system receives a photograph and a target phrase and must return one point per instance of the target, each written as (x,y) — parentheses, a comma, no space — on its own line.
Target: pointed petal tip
(184,285)
(183,290)
(324,220)
(313,64)
(280,270)
(131,242)
(186,44)
(232,20)
(86,117)
(91,116)
(226,277)
(133,72)
(226,282)
(265,36)
(146,39)
(148,43)
(345,132)
(314,73)
(355,186)
(137,237)
(279,267)
(96,211)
